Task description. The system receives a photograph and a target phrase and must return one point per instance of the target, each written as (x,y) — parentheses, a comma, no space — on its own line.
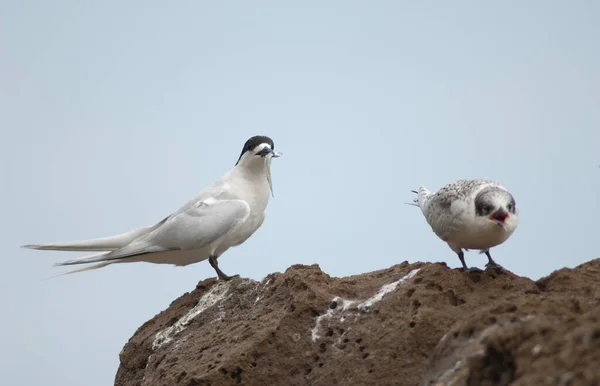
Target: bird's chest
(257,198)
(474,235)
(247,228)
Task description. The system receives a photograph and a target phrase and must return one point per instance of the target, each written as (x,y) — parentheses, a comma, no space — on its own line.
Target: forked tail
(88,268)
(421,199)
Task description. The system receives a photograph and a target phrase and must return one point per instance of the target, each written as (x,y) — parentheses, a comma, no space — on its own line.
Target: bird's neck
(252,184)
(251,170)
(252,165)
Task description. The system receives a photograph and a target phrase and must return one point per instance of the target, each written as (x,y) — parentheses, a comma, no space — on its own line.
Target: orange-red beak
(499,216)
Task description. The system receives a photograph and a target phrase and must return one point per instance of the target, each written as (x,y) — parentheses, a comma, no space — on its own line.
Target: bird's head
(496,206)
(257,154)
(258,150)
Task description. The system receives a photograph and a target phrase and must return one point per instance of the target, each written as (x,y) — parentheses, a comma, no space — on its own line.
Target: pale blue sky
(113,114)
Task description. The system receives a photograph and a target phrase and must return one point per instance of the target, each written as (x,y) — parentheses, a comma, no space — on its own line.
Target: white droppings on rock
(444,337)
(345,333)
(315,331)
(209,299)
(263,288)
(368,304)
(342,306)
(449,373)
(346,306)
(150,359)
(527,318)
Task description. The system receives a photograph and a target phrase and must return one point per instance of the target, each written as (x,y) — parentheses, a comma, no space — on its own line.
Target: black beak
(265,151)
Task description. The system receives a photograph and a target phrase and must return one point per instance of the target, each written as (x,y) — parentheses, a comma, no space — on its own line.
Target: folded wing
(194,228)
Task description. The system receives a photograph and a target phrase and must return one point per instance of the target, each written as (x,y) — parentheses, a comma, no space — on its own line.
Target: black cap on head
(254,142)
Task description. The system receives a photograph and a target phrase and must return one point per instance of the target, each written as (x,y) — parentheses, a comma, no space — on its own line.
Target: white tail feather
(111,243)
(422,196)
(88,268)
(84,260)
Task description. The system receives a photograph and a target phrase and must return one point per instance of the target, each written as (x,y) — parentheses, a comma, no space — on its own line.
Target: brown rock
(410,324)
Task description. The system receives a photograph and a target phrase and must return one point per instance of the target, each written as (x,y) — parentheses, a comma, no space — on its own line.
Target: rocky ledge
(411,324)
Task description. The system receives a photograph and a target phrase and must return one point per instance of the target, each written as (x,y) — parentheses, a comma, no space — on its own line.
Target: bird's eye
(487,209)
(511,208)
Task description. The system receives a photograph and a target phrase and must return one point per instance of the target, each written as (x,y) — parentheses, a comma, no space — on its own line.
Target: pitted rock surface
(411,324)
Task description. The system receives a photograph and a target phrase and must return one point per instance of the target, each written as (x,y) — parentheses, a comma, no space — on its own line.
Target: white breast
(255,192)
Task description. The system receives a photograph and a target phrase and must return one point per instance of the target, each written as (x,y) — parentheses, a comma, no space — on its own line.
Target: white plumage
(470,214)
(222,216)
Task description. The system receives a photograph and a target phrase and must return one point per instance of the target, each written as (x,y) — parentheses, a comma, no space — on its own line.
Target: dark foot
(491,263)
(495,266)
(461,256)
(222,276)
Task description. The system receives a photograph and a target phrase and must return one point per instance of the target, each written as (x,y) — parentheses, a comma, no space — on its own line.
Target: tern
(223,215)
(470,214)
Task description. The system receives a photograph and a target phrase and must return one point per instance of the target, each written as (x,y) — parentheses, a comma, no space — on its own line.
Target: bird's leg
(491,263)
(213,263)
(461,256)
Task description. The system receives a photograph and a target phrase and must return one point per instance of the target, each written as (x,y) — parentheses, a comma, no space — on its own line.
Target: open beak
(499,216)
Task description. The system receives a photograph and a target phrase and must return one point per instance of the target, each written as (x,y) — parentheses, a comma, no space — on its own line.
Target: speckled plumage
(452,215)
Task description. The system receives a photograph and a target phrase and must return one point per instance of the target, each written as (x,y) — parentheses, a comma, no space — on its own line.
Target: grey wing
(442,218)
(458,190)
(200,224)
(445,208)
(191,228)
(217,191)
